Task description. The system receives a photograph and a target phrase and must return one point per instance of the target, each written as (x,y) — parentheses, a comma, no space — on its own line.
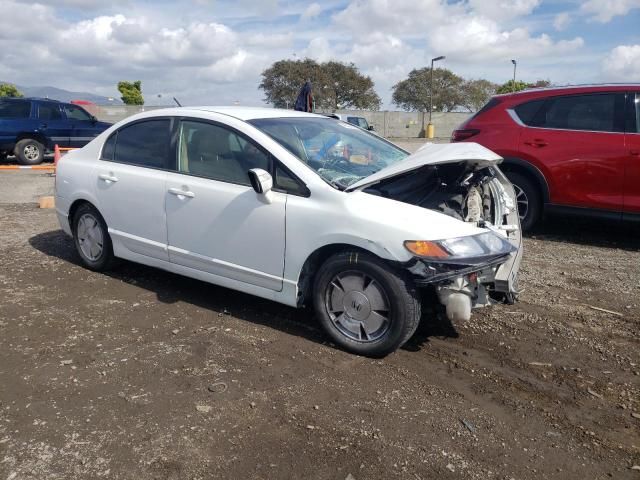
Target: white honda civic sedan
(300,209)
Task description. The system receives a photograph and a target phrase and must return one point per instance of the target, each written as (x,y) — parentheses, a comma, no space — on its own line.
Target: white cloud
(503,9)
(623,64)
(478,39)
(561,21)
(605,10)
(312,11)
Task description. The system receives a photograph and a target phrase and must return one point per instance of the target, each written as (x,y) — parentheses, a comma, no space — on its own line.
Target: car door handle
(536,142)
(108,178)
(181,193)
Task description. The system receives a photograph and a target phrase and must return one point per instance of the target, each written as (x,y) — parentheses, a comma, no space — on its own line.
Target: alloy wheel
(522,201)
(31,152)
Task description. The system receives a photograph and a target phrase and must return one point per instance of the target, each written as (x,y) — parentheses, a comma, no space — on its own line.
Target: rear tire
(364,305)
(29,152)
(528,199)
(91,238)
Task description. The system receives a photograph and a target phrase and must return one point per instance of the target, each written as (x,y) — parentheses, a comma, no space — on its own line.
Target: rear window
(488,106)
(15,109)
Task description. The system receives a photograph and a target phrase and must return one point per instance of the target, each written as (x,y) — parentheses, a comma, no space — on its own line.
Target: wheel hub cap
(90,237)
(358,306)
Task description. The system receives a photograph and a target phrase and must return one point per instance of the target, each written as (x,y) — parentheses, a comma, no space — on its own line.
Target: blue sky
(213,51)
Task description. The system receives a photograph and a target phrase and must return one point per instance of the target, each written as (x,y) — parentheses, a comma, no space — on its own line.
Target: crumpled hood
(432,154)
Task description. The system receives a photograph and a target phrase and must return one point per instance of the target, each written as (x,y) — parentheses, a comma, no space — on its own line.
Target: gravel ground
(141,374)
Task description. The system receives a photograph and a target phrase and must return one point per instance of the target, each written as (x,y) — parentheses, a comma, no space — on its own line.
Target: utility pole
(430,129)
(514,74)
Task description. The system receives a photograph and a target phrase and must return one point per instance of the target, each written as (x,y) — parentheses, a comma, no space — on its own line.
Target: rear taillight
(463,134)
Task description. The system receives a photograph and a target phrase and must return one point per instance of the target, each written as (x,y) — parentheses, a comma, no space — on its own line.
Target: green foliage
(335,85)
(510,87)
(9,90)
(413,93)
(476,93)
(131,92)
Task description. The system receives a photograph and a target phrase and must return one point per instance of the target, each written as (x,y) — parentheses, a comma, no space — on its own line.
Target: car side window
(528,112)
(287,183)
(144,143)
(109,147)
(637,104)
(49,112)
(219,153)
(76,113)
(15,109)
(596,112)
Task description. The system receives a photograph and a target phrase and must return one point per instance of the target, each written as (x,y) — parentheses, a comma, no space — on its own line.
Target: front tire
(528,200)
(92,239)
(364,305)
(29,152)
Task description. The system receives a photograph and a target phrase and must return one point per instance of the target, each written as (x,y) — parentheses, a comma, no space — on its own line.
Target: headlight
(482,245)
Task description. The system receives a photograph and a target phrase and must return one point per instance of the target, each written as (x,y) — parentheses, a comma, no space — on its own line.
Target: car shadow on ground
(589,232)
(171,288)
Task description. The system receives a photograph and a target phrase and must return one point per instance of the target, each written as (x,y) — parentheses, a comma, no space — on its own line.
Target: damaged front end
(469,271)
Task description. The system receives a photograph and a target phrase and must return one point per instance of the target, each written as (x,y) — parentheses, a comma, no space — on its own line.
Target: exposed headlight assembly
(486,244)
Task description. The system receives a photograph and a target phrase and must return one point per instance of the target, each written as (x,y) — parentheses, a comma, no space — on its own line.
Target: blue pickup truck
(31,126)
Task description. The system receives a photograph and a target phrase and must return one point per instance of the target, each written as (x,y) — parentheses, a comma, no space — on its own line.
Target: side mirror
(370,128)
(94,119)
(261,180)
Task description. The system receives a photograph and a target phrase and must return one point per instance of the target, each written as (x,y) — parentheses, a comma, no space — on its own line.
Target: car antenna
(176,100)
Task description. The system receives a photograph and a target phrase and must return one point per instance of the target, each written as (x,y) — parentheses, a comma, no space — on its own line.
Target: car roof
(601,87)
(252,113)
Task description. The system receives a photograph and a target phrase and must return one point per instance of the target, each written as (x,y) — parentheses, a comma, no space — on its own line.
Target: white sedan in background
(299,209)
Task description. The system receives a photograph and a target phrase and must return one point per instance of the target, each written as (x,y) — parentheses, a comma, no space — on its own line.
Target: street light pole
(430,129)
(514,74)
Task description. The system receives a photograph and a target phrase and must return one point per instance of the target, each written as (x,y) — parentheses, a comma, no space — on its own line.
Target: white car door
(130,187)
(216,222)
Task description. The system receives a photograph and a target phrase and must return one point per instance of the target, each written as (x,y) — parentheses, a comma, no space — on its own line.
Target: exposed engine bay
(461,190)
(471,192)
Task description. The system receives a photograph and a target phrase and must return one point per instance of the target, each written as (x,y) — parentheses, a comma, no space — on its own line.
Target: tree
(413,93)
(9,90)
(476,93)
(335,85)
(509,87)
(131,92)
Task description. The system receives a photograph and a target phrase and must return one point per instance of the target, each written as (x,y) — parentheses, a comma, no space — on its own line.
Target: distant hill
(65,95)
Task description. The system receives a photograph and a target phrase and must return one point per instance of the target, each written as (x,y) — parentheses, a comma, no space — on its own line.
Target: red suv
(566,150)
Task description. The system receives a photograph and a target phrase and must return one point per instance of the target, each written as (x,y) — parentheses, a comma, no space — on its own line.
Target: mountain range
(65,95)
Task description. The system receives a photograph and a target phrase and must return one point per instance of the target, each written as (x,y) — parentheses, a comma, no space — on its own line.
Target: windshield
(339,152)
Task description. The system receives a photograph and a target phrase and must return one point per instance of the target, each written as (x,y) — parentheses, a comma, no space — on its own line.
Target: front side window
(595,112)
(76,113)
(144,143)
(15,109)
(48,111)
(215,152)
(339,152)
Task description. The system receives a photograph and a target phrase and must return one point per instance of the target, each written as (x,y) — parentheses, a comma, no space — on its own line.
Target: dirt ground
(141,374)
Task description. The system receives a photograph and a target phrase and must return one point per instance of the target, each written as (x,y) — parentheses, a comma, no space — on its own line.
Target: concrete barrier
(389,124)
